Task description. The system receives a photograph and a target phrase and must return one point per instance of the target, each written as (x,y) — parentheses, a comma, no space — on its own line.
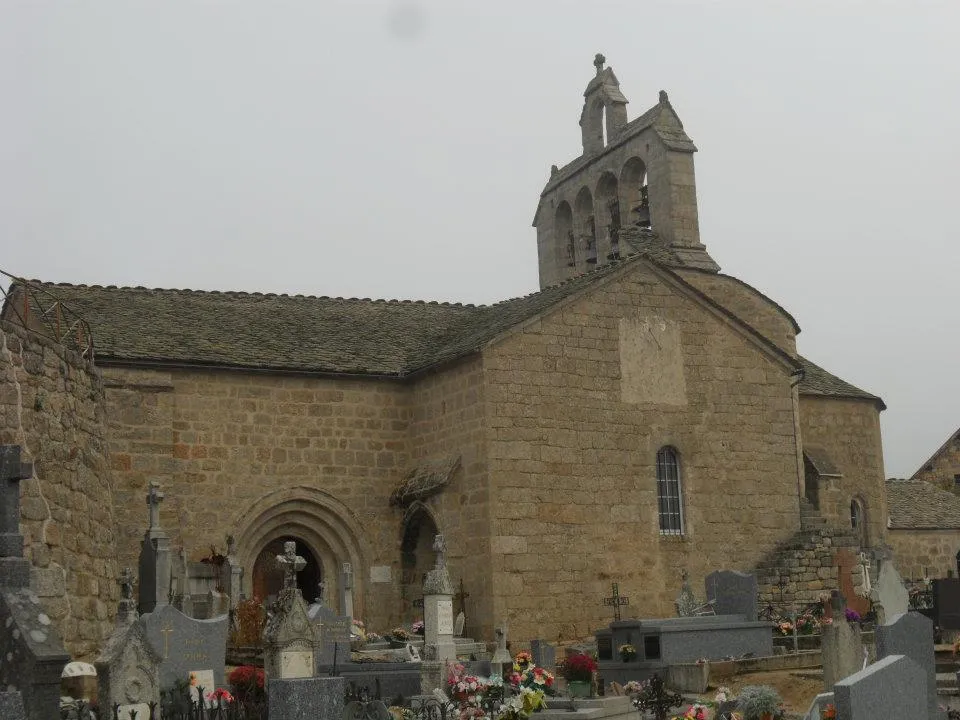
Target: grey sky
(387,149)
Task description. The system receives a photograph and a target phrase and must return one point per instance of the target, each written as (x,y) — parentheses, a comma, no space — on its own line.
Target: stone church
(642,414)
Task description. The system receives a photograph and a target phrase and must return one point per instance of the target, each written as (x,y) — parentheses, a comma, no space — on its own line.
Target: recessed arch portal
(416,555)
(321,525)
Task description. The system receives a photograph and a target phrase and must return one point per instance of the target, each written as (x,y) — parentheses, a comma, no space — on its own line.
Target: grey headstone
(31,654)
(818,705)
(11,706)
(334,635)
(544,654)
(889,591)
(306,698)
(841,649)
(155,559)
(732,593)
(893,687)
(186,645)
(911,635)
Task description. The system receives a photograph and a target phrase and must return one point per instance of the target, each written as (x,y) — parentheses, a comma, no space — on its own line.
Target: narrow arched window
(669,497)
(856,514)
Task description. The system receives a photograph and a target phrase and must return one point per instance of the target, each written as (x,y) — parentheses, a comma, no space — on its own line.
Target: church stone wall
(448,418)
(920,554)
(849,431)
(572,462)
(52,404)
(227,447)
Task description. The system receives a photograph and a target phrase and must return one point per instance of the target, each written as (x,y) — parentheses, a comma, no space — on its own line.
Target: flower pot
(628,657)
(578,688)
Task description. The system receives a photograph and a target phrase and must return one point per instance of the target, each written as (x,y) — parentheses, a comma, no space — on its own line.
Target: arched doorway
(268,578)
(416,558)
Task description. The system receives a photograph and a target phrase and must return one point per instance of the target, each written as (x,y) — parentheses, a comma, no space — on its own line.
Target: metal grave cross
(616,600)
(461,598)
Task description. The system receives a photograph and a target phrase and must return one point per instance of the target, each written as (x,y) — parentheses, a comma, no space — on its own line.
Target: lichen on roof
(919,505)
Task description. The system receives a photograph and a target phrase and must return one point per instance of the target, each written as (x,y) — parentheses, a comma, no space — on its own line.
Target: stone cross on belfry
(154,498)
(598,61)
(291,564)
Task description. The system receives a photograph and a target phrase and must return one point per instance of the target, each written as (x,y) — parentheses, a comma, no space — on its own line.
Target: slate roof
(918,505)
(817,381)
(954,437)
(348,336)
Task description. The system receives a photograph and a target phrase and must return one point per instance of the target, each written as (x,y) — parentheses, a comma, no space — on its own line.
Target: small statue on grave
(501,655)
(154,498)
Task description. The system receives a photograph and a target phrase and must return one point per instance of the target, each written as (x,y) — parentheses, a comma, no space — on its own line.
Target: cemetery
(304,660)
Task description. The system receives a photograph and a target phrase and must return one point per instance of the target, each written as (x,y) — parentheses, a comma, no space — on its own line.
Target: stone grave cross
(598,61)
(14,568)
(291,563)
(154,498)
(617,601)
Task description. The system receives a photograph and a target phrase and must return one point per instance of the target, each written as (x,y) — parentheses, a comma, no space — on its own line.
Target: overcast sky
(397,149)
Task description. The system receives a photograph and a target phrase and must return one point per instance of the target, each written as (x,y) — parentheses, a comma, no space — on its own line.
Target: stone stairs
(810,518)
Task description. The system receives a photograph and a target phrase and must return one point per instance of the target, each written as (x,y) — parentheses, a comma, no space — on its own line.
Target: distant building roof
(954,437)
(918,505)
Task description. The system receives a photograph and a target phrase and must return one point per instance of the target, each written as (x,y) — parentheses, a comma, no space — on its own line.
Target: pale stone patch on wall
(651,361)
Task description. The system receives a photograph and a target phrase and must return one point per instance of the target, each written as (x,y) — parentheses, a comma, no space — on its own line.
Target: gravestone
(911,635)
(439,646)
(334,634)
(232,573)
(154,557)
(31,654)
(544,654)
(186,645)
(306,698)
(501,656)
(458,624)
(732,593)
(946,603)
(889,595)
(346,589)
(841,647)
(11,706)
(128,667)
(846,562)
(289,638)
(893,687)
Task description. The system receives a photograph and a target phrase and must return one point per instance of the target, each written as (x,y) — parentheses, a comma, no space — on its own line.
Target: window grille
(669,498)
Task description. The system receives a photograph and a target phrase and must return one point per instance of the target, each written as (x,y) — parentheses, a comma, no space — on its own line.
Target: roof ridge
(242,293)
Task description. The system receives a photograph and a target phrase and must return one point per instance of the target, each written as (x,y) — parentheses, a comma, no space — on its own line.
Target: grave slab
(186,645)
(911,635)
(11,706)
(305,698)
(732,593)
(894,687)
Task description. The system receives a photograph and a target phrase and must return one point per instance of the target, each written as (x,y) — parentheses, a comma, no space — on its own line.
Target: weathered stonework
(921,554)
(52,404)
(943,468)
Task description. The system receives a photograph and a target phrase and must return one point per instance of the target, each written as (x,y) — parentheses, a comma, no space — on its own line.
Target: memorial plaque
(296,664)
(201,680)
(380,574)
(445,617)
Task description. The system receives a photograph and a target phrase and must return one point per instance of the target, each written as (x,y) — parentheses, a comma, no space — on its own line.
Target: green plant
(757,702)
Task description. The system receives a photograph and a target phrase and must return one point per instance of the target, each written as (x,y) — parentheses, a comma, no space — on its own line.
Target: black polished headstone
(946,603)
(732,593)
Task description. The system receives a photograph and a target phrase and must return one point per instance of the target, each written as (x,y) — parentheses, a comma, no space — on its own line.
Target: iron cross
(461,598)
(616,600)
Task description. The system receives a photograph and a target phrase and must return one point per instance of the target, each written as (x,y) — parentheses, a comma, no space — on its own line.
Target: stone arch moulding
(324,524)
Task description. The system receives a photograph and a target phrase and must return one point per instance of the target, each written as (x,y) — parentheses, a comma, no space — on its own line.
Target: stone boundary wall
(52,404)
(925,553)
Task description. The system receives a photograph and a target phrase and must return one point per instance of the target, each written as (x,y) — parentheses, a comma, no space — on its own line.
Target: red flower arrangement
(247,682)
(579,668)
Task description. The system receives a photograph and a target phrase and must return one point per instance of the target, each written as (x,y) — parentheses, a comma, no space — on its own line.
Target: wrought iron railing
(42,312)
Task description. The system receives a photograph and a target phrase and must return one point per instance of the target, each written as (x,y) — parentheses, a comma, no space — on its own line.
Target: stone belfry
(633,187)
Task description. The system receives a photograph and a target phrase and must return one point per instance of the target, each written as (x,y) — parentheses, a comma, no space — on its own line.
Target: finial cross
(616,600)
(154,497)
(440,548)
(598,61)
(291,564)
(126,584)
